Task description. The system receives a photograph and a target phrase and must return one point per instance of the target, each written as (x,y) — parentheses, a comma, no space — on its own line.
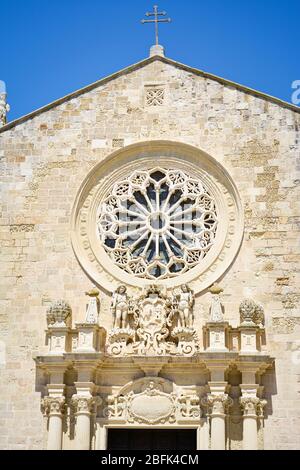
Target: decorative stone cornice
(52,406)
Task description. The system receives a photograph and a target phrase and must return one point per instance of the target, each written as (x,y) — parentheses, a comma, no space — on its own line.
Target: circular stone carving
(151,408)
(158,223)
(177,222)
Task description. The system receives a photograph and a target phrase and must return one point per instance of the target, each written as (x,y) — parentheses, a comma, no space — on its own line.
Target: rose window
(157,224)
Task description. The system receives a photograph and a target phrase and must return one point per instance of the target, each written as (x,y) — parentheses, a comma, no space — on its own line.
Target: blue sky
(52,47)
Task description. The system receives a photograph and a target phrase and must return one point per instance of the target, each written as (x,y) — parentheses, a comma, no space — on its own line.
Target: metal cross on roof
(156,20)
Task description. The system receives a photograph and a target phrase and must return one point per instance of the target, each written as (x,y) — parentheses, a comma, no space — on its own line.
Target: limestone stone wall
(43,163)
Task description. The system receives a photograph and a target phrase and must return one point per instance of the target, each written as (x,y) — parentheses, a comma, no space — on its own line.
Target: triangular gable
(139,65)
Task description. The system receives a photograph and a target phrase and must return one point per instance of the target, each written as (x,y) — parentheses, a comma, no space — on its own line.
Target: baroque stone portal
(153,333)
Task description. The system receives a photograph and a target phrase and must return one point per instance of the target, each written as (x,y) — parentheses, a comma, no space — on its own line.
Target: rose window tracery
(158,223)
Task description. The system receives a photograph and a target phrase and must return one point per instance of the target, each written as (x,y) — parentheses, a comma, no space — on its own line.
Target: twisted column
(53,408)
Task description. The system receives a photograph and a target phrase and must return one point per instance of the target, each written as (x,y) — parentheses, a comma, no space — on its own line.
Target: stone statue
(216,308)
(4,107)
(185,307)
(92,311)
(120,306)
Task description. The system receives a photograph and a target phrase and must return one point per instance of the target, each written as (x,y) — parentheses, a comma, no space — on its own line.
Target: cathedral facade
(150,266)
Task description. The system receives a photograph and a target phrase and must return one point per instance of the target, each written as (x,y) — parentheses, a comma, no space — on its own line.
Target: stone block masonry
(43,163)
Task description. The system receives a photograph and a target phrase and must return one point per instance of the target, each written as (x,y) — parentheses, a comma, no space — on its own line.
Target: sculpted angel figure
(185,307)
(120,306)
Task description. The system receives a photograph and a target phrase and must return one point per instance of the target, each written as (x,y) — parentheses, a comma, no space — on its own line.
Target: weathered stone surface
(43,163)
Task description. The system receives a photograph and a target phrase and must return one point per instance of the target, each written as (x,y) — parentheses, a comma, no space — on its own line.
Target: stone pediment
(141,65)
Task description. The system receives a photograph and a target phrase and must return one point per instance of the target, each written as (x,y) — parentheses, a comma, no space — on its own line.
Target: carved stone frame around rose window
(92,256)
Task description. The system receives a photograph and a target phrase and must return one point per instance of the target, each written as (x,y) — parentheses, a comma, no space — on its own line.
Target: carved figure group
(160,324)
(181,303)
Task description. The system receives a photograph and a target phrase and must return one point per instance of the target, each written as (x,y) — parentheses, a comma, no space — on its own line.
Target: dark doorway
(152,439)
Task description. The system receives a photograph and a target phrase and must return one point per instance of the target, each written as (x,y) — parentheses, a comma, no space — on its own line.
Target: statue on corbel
(184,332)
(184,302)
(93,307)
(4,106)
(122,333)
(59,321)
(153,324)
(251,329)
(220,336)
(217,329)
(120,307)
(87,336)
(216,307)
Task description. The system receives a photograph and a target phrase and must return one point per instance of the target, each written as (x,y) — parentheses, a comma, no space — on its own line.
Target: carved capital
(217,403)
(53,406)
(252,406)
(86,405)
